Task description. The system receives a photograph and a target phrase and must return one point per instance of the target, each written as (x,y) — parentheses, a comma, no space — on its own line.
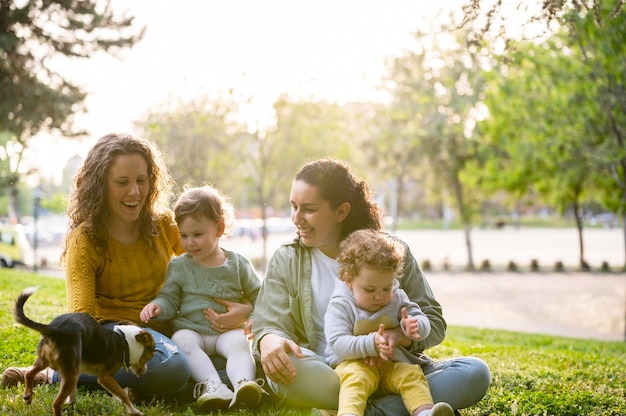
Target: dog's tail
(18,311)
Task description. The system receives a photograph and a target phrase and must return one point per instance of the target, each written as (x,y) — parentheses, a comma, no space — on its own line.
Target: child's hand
(382,346)
(247,329)
(410,325)
(373,361)
(149,311)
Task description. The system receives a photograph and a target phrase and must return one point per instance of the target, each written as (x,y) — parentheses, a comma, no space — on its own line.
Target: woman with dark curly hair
(120,240)
(121,232)
(327,204)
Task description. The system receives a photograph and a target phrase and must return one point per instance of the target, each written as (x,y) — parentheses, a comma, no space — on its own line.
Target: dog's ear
(145,338)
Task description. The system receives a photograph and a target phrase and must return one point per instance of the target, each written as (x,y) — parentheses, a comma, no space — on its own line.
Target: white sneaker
(323,412)
(248,393)
(442,409)
(210,395)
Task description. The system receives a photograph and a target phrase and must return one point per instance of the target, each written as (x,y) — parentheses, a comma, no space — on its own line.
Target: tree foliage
(437,91)
(35,97)
(199,140)
(557,117)
(601,50)
(305,130)
(492,18)
(203,141)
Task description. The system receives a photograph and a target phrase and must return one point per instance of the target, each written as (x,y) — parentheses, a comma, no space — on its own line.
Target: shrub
(534,265)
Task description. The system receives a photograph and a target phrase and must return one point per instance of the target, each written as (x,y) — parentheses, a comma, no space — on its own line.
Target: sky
(326,49)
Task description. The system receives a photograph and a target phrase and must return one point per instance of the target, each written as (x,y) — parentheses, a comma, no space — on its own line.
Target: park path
(576,305)
(571,304)
(546,245)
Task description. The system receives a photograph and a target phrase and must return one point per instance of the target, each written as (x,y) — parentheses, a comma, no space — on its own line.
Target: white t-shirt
(324,275)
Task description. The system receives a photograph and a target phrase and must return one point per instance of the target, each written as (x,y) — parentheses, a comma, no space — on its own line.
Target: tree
(494,18)
(597,39)
(394,148)
(199,140)
(561,131)
(203,141)
(304,130)
(34,96)
(437,92)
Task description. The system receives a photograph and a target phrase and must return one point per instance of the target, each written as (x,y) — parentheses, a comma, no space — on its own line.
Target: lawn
(531,374)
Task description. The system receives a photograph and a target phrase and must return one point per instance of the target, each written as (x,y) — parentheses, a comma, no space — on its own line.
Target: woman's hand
(247,329)
(276,363)
(236,315)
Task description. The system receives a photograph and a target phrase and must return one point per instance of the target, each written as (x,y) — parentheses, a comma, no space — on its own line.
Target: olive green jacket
(283,306)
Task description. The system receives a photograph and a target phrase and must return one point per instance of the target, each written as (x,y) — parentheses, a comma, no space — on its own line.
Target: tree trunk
(579,226)
(624,232)
(465,219)
(467,230)
(264,233)
(397,206)
(14,212)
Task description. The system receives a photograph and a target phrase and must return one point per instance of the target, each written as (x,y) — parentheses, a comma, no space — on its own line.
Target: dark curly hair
(337,184)
(88,206)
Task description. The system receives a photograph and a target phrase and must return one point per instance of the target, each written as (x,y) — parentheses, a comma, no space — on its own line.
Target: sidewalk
(577,305)
(580,305)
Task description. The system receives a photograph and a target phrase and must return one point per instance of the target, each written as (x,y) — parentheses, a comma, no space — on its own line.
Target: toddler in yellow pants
(367,314)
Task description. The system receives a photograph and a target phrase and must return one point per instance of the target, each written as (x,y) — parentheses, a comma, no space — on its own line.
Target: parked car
(14,246)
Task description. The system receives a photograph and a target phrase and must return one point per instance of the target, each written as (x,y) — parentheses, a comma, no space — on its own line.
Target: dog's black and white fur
(75,343)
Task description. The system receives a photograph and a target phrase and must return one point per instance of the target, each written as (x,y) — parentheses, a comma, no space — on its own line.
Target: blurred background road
(571,304)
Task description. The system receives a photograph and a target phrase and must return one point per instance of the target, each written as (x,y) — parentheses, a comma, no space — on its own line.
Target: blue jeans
(168,370)
(460,382)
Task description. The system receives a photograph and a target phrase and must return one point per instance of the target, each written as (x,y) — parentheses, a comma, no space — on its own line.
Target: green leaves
(34,97)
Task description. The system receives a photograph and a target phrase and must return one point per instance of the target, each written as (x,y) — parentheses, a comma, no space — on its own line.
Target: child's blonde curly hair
(369,247)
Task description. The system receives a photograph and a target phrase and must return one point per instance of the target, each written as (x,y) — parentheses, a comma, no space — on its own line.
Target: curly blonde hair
(372,247)
(204,201)
(88,204)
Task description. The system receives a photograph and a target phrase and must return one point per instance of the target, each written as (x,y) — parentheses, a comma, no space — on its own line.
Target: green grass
(531,374)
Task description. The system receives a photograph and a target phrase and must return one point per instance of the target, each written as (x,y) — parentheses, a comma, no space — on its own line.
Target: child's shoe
(210,395)
(442,409)
(248,393)
(323,412)
(13,376)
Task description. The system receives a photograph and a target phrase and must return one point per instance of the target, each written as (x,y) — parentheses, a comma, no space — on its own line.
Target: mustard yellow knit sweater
(116,286)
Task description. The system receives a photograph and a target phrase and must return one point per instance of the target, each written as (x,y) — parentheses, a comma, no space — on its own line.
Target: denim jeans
(461,382)
(168,370)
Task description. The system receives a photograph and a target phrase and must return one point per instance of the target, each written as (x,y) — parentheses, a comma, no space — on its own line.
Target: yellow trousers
(359,381)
